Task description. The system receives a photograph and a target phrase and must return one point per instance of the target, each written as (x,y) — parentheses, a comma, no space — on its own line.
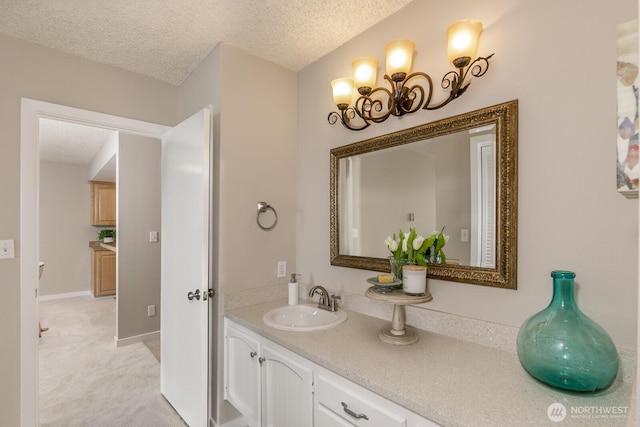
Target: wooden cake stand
(398,333)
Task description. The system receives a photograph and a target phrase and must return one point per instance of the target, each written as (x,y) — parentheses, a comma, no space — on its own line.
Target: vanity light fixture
(376,104)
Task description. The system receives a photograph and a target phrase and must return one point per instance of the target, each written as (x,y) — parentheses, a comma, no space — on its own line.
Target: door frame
(31,111)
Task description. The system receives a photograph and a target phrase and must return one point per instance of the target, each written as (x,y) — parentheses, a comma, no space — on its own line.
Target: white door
(185,267)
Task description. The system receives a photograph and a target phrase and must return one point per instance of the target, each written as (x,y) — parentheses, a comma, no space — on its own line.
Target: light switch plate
(153,236)
(7,249)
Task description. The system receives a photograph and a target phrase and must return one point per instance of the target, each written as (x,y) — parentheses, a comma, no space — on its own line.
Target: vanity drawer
(339,399)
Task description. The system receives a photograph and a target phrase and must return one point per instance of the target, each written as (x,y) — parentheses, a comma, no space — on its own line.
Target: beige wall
(257,161)
(34,72)
(64,228)
(558,59)
(254,115)
(138,214)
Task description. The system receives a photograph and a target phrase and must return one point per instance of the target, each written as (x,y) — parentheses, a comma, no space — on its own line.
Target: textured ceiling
(70,143)
(167,39)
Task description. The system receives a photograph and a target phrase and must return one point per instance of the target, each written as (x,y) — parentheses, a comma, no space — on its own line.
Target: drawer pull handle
(353,414)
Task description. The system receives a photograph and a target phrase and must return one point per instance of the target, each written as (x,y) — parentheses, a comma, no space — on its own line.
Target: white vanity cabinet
(242,373)
(287,389)
(274,387)
(267,384)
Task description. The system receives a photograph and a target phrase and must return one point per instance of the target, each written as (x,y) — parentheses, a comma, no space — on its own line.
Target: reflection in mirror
(458,173)
(448,181)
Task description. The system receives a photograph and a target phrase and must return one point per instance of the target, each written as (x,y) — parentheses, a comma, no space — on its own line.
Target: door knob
(192,295)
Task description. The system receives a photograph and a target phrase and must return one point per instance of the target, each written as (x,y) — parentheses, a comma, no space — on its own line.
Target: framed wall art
(628,166)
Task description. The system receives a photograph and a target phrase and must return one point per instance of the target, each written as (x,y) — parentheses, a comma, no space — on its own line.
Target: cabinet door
(242,374)
(103,203)
(287,395)
(104,273)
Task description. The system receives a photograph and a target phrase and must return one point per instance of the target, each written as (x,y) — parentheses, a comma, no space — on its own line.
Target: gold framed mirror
(460,172)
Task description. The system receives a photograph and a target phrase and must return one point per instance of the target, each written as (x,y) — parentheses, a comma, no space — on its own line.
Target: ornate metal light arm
(346,115)
(455,80)
(405,98)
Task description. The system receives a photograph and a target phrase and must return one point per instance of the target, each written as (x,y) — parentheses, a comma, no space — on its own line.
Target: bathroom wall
(254,103)
(138,214)
(64,228)
(36,72)
(559,60)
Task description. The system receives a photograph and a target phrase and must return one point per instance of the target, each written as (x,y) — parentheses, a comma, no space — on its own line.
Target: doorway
(31,113)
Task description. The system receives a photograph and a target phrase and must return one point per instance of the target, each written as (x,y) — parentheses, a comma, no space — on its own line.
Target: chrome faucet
(325,302)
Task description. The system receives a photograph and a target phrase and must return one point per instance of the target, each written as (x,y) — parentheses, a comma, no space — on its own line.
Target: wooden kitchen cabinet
(104,272)
(103,203)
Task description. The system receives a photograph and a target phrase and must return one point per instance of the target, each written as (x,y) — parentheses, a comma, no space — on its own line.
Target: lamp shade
(463,39)
(342,92)
(399,56)
(364,72)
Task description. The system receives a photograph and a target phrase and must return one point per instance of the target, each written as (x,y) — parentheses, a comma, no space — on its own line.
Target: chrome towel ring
(262,208)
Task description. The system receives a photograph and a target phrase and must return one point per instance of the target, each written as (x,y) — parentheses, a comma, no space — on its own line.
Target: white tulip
(417,242)
(391,244)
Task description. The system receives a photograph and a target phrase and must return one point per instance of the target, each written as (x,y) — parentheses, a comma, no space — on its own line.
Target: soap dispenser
(293,289)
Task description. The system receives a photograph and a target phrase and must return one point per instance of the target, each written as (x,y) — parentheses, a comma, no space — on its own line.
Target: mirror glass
(458,173)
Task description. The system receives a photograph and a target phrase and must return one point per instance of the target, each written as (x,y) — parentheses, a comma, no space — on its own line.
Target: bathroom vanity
(346,371)
(271,385)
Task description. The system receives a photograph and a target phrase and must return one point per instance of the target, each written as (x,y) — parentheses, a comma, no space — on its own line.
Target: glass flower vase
(562,347)
(396,266)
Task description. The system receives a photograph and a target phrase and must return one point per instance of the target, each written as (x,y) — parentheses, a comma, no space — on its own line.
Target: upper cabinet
(103,203)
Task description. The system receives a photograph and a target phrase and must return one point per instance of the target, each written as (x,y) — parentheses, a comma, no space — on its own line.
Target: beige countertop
(447,380)
(100,245)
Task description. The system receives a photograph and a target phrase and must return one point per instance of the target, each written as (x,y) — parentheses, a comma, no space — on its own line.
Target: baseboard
(137,338)
(65,295)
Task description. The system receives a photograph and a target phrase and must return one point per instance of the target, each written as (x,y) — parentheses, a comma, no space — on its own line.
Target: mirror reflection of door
(483,196)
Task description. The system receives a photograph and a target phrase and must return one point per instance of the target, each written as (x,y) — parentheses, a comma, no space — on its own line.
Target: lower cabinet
(274,387)
(104,272)
(269,385)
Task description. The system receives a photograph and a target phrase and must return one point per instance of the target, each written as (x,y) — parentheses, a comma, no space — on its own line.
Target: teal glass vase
(562,347)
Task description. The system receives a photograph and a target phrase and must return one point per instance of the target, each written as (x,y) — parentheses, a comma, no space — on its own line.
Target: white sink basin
(303,317)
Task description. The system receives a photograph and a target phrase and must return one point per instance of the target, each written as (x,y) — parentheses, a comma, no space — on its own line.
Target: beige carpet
(86,381)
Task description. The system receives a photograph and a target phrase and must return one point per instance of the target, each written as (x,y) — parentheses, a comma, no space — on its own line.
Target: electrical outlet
(153,236)
(464,235)
(282,269)
(151,310)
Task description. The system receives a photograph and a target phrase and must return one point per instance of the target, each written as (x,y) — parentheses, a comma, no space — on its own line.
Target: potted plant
(411,253)
(107,235)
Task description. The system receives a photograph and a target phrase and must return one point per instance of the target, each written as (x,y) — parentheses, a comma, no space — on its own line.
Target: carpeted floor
(86,381)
